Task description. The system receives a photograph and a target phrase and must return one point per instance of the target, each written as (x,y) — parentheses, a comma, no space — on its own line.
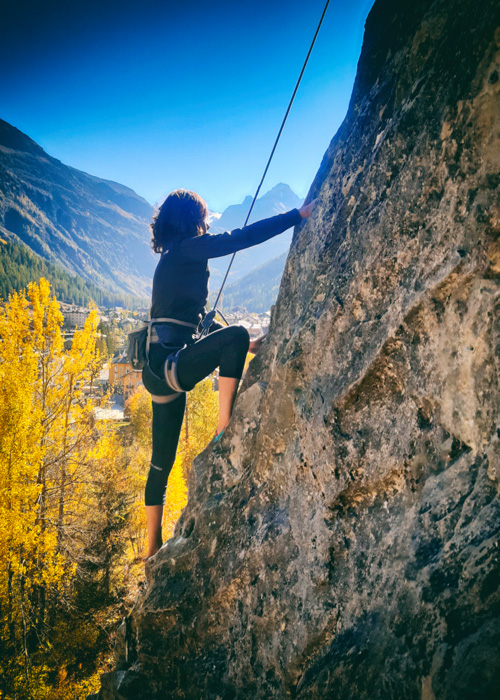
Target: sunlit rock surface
(342,539)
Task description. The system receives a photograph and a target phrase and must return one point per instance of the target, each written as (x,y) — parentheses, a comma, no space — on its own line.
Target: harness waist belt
(175,321)
(172,336)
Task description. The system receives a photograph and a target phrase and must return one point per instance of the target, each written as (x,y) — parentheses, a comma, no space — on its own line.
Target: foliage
(139,411)
(72,522)
(137,453)
(19,265)
(200,422)
(62,498)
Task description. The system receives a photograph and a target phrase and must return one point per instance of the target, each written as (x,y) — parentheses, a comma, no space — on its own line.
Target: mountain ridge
(257,290)
(277,200)
(19,266)
(96,228)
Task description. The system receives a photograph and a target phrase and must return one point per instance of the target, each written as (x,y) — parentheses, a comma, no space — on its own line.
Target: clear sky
(160,95)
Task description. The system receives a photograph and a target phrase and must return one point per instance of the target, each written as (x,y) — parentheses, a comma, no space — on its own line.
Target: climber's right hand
(306,209)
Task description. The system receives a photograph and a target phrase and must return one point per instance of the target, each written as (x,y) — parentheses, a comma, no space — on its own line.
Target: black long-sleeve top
(180,283)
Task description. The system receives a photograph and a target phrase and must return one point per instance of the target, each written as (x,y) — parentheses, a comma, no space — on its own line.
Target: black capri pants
(225,348)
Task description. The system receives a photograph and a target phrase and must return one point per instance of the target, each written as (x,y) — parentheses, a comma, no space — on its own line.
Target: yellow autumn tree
(30,563)
(139,411)
(200,422)
(63,497)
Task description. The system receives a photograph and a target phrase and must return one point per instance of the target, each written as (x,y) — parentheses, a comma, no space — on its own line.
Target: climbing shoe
(218,436)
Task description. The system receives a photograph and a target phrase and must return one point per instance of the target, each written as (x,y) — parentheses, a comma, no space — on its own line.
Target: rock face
(342,539)
(95,228)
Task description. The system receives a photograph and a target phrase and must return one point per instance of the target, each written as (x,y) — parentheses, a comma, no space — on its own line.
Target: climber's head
(182,215)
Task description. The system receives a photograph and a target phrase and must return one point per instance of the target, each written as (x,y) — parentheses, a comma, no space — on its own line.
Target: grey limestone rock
(342,539)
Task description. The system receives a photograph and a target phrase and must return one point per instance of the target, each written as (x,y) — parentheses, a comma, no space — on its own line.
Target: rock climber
(178,359)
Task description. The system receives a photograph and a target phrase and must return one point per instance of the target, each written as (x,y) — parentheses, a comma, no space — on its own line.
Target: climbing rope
(208,320)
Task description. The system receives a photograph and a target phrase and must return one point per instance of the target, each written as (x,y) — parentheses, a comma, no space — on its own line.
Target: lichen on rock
(342,539)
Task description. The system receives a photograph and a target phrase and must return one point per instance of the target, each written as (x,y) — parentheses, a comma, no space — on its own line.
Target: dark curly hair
(181,215)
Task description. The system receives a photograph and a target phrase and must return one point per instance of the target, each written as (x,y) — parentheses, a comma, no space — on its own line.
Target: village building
(74,316)
(123,379)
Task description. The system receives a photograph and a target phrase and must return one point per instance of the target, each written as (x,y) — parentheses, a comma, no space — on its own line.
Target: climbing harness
(209,318)
(138,350)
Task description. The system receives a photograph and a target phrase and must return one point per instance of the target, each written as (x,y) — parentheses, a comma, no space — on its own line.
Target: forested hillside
(258,290)
(19,266)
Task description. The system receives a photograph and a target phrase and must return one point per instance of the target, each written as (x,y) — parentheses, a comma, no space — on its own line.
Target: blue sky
(160,95)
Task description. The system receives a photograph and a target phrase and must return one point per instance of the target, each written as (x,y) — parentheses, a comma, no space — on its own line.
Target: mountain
(341,540)
(256,291)
(277,200)
(99,229)
(95,228)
